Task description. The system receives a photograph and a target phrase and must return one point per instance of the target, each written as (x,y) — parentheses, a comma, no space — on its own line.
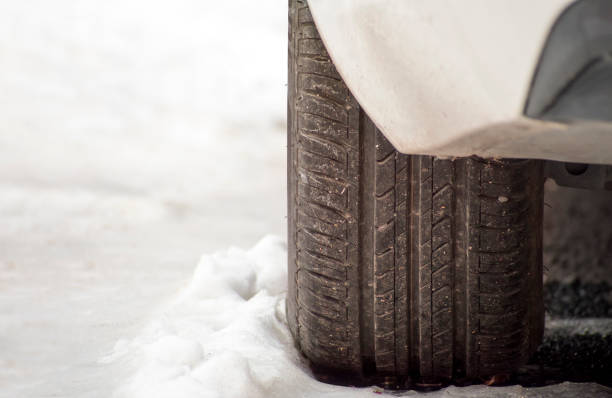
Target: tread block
(443,341)
(314,219)
(316,242)
(316,163)
(385,175)
(441,257)
(323,67)
(326,329)
(500,261)
(322,197)
(309,31)
(322,147)
(321,266)
(441,233)
(325,286)
(384,237)
(322,306)
(511,221)
(441,299)
(324,87)
(312,47)
(322,213)
(492,240)
(310,103)
(495,207)
(442,321)
(331,185)
(320,126)
(503,173)
(501,304)
(385,209)
(304,17)
(383,147)
(513,191)
(508,342)
(442,173)
(501,324)
(441,278)
(442,203)
(384,281)
(501,284)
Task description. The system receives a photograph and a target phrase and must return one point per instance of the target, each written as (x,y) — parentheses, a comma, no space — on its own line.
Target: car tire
(402,265)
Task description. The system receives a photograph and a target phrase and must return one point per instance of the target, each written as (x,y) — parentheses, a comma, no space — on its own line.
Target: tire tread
(402,264)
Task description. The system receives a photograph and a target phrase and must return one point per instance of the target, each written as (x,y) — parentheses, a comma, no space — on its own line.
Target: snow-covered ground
(134,136)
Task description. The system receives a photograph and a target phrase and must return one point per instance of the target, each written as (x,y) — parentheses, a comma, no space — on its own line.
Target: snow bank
(225,335)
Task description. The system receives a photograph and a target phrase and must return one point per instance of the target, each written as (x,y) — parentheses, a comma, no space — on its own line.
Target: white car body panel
(450,78)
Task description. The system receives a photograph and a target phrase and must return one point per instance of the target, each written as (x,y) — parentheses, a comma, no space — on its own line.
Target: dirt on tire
(401,265)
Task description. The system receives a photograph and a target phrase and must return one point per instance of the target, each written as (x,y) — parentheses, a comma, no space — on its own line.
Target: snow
(225,335)
(134,136)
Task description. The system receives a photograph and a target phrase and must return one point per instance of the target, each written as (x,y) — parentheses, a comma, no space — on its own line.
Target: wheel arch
(426,56)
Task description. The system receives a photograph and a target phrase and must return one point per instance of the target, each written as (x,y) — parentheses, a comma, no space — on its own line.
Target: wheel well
(573,79)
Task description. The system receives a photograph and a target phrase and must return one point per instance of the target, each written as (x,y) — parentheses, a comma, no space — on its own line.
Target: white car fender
(436,75)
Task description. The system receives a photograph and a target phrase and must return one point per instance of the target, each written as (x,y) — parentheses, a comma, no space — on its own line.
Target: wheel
(402,265)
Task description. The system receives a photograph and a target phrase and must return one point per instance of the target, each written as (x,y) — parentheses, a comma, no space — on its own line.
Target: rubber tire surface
(402,265)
